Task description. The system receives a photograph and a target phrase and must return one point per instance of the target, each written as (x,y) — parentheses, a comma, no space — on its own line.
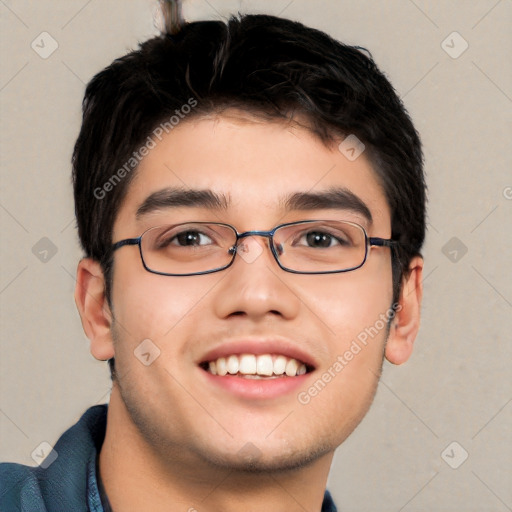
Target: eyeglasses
(305,247)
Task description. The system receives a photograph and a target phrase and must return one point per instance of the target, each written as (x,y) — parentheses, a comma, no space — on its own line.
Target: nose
(255,286)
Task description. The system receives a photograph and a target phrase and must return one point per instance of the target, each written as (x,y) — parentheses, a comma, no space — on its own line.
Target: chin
(252,460)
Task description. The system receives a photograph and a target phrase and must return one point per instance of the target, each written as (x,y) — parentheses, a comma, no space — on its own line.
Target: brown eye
(318,239)
(187,238)
(323,240)
(190,238)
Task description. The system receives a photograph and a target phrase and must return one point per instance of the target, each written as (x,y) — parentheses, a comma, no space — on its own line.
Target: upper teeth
(264,365)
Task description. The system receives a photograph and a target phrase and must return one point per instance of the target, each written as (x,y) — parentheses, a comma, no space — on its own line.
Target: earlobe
(94,311)
(405,325)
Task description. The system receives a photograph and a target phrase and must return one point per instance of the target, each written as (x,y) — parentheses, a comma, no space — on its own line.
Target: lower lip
(257,388)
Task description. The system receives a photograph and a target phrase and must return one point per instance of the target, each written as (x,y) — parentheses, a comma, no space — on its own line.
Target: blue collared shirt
(70,481)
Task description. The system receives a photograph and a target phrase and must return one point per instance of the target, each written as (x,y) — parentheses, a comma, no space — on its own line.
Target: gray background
(457,386)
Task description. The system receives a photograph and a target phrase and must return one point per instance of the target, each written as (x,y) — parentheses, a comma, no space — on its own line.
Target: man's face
(253,307)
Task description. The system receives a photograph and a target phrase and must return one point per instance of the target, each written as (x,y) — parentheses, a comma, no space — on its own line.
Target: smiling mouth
(261,366)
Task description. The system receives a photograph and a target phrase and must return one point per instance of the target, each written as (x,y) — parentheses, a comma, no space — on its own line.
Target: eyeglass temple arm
(128,241)
(383,242)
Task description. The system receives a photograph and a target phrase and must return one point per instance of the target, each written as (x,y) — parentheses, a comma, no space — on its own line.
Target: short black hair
(266,65)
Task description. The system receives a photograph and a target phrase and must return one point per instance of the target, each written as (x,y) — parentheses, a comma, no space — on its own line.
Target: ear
(406,323)
(94,311)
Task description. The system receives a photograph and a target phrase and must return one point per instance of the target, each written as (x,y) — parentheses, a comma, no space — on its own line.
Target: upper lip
(274,345)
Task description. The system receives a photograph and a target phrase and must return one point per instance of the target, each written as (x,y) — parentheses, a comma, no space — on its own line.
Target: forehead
(254,164)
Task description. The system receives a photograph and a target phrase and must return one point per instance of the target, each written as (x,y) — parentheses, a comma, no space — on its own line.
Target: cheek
(352,302)
(353,307)
(152,306)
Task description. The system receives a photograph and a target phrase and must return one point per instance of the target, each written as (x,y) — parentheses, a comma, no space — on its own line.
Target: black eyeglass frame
(369,241)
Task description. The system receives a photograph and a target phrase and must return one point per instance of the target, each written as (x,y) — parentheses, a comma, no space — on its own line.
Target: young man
(251,202)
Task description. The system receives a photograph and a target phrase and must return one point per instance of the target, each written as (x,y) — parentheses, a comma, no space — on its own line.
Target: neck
(137,477)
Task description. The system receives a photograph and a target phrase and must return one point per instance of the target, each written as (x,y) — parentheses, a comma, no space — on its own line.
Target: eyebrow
(176,197)
(334,198)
